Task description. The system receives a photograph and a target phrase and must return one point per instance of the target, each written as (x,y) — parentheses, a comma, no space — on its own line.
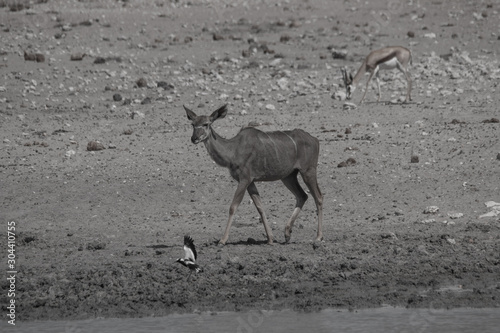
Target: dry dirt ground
(97,232)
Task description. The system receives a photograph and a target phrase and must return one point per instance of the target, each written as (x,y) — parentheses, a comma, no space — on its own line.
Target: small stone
(340,95)
(138,114)
(251,241)
(95,146)
(411,34)
(146,100)
(77,56)
(349,162)
(141,82)
(217,36)
(348,106)
(431,210)
(414,159)
(270,107)
(284,38)
(275,62)
(491,121)
(339,54)
(164,85)
(117,97)
(99,60)
(455,215)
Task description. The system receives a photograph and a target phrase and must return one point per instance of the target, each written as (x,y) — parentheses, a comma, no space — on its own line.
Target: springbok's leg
(310,178)
(408,81)
(254,194)
(238,196)
(367,84)
(292,183)
(378,83)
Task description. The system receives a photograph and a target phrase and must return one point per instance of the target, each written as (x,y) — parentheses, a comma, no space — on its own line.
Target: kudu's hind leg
(254,194)
(310,178)
(292,183)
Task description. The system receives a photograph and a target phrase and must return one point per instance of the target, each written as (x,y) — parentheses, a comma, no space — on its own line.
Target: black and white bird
(190,255)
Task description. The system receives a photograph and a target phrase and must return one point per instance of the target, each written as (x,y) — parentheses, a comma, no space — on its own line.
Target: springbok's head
(202,124)
(349,88)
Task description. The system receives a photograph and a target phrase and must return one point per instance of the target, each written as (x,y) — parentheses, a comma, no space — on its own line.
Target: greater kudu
(253,155)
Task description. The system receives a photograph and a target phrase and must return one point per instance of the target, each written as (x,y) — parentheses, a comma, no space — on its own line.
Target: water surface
(385,320)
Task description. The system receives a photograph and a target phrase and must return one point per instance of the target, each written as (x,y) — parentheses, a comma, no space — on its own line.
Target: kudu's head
(349,88)
(202,124)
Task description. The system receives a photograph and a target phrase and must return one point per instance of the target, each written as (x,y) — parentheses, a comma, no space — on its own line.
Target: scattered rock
(349,162)
(414,159)
(340,95)
(77,56)
(455,215)
(491,121)
(431,210)
(411,34)
(339,54)
(217,36)
(349,106)
(284,38)
(141,83)
(95,146)
(38,57)
(137,114)
(96,245)
(165,85)
(146,100)
(117,97)
(100,60)
(495,209)
(251,241)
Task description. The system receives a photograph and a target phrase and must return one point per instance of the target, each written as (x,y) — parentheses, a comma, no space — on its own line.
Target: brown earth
(97,232)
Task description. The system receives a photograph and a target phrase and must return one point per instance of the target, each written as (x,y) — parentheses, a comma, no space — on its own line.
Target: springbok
(387,58)
(253,155)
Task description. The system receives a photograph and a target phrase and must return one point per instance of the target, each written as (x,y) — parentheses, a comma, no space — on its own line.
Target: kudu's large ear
(219,113)
(190,114)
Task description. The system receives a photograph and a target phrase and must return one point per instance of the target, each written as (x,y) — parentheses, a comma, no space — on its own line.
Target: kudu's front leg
(238,197)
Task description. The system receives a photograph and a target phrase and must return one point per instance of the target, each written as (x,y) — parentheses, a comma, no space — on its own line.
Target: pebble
(340,95)
(349,106)
(270,107)
(95,146)
(431,210)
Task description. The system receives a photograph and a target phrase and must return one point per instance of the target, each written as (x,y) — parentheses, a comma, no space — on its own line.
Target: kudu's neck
(221,150)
